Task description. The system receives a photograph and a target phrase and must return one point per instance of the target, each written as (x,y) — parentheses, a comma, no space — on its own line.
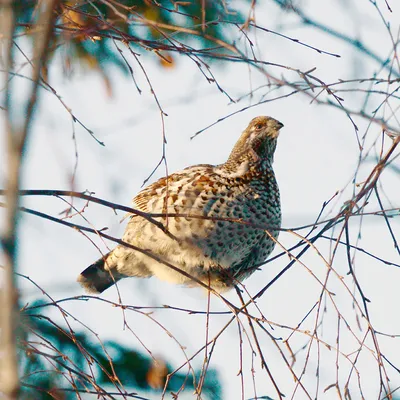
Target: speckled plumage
(243,189)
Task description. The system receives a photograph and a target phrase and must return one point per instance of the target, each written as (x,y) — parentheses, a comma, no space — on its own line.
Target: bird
(216,224)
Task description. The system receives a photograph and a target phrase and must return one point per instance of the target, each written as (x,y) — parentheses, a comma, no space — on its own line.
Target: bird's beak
(278,125)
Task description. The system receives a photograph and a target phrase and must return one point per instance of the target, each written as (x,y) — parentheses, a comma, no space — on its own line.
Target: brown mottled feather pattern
(243,189)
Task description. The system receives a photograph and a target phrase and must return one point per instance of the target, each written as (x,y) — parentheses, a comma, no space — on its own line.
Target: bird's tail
(96,278)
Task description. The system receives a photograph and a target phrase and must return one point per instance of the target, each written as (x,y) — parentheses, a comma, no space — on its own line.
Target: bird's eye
(259,126)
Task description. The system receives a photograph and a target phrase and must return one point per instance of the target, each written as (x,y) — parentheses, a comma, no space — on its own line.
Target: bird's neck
(249,162)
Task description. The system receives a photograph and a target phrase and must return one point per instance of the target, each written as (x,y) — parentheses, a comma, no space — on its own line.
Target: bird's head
(258,141)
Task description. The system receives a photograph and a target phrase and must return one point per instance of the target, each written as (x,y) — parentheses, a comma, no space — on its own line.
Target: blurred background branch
(16,134)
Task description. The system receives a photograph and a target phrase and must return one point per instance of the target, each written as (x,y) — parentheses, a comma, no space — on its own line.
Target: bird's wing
(178,190)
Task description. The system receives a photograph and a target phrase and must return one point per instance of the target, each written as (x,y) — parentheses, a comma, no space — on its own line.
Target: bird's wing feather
(182,185)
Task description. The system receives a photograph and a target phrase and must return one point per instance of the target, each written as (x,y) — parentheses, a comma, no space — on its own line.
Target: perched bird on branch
(214,223)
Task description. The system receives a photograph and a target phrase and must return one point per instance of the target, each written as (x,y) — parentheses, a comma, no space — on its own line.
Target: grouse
(220,222)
